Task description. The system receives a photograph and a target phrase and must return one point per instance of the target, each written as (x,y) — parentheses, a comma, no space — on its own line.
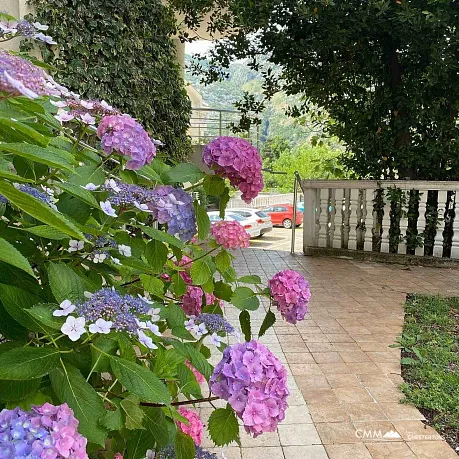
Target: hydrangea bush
(113,284)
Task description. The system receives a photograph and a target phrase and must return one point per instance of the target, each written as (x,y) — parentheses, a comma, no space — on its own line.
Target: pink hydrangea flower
(199,377)
(19,76)
(45,431)
(254,383)
(237,160)
(195,427)
(230,234)
(192,301)
(125,135)
(291,294)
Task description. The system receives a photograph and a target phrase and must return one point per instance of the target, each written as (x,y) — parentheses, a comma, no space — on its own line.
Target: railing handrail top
(373,184)
(205,109)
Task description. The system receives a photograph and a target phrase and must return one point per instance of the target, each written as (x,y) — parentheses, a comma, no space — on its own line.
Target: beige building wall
(18,9)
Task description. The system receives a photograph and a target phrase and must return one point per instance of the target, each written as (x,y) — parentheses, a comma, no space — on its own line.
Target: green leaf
(100,362)
(162,236)
(39,210)
(65,283)
(133,413)
(178,285)
(113,420)
(245,298)
(139,441)
(185,172)
(252,279)
(223,260)
(200,272)
(140,381)
(244,320)
(10,328)
(152,284)
(44,314)
(224,199)
(188,383)
(18,390)
(156,254)
(78,192)
(71,387)
(223,426)
(161,428)
(194,356)
(50,156)
(28,362)
(223,291)
(9,254)
(17,131)
(268,322)
(88,174)
(175,315)
(46,232)
(202,220)
(214,185)
(184,446)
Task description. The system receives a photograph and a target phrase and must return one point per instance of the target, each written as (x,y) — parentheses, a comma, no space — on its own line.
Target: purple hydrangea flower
(215,323)
(26,29)
(254,383)
(237,160)
(45,431)
(37,194)
(121,310)
(19,76)
(169,453)
(175,207)
(291,294)
(3,200)
(125,135)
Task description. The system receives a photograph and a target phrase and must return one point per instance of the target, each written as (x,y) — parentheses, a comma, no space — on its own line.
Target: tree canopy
(386,71)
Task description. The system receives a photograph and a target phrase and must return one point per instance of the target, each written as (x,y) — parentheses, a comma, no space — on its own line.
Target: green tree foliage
(386,72)
(312,162)
(121,52)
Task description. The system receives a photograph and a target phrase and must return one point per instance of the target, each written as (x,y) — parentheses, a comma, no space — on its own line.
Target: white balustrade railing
(363,215)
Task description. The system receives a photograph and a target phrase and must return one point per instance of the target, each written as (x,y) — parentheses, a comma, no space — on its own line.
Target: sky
(198,46)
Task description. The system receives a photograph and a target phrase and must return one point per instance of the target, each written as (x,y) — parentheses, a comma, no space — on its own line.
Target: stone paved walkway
(344,377)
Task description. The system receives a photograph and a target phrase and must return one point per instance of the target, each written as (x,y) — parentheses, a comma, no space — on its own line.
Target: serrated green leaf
(178,285)
(113,420)
(223,291)
(161,428)
(9,254)
(40,211)
(18,390)
(202,220)
(268,322)
(88,174)
(44,314)
(175,315)
(194,356)
(46,232)
(224,199)
(185,172)
(162,236)
(133,413)
(223,426)
(65,283)
(156,254)
(200,272)
(140,381)
(15,131)
(223,260)
(252,279)
(244,320)
(214,185)
(184,446)
(188,383)
(71,387)
(152,284)
(245,298)
(52,157)
(25,363)
(78,192)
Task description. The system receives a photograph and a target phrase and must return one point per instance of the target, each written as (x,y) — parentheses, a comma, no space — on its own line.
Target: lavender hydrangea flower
(169,453)
(19,76)
(26,29)
(3,200)
(254,383)
(121,310)
(215,323)
(37,194)
(125,135)
(45,431)
(175,207)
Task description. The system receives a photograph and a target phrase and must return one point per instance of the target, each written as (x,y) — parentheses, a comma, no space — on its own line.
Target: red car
(282,215)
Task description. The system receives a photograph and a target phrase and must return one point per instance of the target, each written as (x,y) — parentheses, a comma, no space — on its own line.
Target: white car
(251,225)
(263,219)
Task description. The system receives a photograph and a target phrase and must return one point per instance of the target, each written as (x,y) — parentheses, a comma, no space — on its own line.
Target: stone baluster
(403,227)
(368,219)
(421,225)
(324,217)
(455,241)
(310,217)
(385,226)
(338,219)
(353,219)
(438,243)
(347,217)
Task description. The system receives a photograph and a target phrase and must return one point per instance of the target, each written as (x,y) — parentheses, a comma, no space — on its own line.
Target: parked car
(250,224)
(282,215)
(263,219)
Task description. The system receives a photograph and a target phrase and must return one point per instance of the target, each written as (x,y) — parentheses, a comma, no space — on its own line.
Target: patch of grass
(430,361)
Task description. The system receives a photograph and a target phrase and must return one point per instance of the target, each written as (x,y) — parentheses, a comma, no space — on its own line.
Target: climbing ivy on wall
(121,51)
